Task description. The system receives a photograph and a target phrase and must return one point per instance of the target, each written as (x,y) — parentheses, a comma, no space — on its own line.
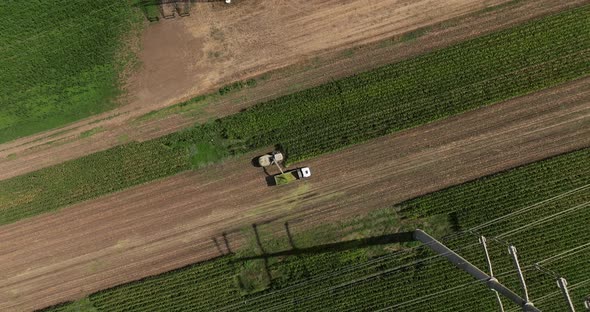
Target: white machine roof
(306,172)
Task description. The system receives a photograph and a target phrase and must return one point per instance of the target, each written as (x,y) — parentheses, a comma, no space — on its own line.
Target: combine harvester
(285,177)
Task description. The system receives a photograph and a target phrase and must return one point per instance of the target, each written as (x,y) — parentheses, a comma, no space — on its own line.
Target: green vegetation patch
(123,138)
(60,60)
(285,178)
(204,153)
(91,132)
(450,81)
(414,34)
(195,105)
(83,305)
(331,268)
(192,105)
(250,83)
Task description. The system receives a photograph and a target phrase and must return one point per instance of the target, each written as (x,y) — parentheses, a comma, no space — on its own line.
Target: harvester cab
(269,159)
(305,172)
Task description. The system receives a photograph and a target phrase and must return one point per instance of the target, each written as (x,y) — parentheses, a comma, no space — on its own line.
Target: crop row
(449,81)
(522,190)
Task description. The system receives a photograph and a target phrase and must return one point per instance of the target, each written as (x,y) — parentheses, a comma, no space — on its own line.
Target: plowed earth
(169,223)
(303,43)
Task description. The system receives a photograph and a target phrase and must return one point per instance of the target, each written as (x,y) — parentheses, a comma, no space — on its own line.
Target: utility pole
(483,242)
(562,284)
(512,252)
(474,271)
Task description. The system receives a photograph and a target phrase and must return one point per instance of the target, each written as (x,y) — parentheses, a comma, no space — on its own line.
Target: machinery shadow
(270,180)
(261,248)
(454,221)
(255,163)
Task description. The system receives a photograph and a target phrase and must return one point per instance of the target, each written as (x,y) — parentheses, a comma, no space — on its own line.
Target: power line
(304,284)
(530,207)
(545,219)
(516,230)
(558,256)
(447,290)
(450,290)
(546,271)
(426,297)
(319,294)
(554,293)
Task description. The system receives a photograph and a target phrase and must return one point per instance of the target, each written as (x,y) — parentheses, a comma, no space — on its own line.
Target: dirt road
(170,223)
(303,45)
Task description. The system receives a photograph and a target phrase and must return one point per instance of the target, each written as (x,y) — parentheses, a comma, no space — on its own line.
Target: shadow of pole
(226,242)
(263,255)
(341,246)
(218,246)
(291,242)
(293,247)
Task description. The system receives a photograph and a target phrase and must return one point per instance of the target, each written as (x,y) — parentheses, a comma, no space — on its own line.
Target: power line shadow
(334,247)
(289,236)
(454,221)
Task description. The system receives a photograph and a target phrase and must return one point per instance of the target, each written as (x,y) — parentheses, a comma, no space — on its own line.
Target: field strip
(17,158)
(169,223)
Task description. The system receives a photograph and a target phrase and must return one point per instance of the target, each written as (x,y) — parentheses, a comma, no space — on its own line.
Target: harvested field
(163,70)
(169,223)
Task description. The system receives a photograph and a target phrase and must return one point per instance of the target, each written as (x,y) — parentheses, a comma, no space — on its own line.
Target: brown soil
(169,223)
(303,43)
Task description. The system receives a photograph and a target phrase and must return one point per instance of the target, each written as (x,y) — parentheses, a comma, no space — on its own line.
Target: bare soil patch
(170,223)
(303,44)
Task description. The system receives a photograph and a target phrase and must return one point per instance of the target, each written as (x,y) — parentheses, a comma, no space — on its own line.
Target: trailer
(291,175)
